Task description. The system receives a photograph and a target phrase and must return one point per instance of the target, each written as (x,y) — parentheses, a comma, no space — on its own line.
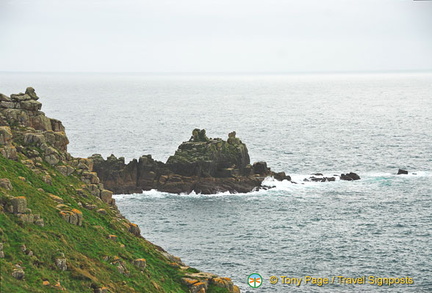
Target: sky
(231,36)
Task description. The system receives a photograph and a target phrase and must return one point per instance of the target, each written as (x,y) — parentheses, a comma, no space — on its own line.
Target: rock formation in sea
(203,165)
(60,227)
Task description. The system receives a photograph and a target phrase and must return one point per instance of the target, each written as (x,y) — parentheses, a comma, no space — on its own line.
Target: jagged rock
(61,263)
(6,184)
(31,92)
(140,263)
(206,157)
(402,172)
(350,176)
(260,168)
(201,165)
(19,204)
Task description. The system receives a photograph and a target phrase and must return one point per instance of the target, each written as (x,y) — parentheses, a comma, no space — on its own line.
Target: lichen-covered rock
(5,135)
(134,229)
(205,157)
(61,263)
(106,196)
(6,184)
(140,263)
(31,93)
(18,273)
(19,204)
(74,217)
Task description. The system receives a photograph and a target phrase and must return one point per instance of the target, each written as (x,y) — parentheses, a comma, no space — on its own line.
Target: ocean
(375,230)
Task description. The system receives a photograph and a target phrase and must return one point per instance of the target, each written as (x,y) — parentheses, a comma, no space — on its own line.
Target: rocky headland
(60,227)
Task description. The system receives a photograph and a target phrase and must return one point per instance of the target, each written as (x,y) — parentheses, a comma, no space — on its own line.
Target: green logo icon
(255,280)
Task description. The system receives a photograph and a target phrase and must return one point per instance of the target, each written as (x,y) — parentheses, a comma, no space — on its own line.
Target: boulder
(74,217)
(140,263)
(4,98)
(280,176)
(61,263)
(5,135)
(19,204)
(106,196)
(6,184)
(31,92)
(134,229)
(260,168)
(18,273)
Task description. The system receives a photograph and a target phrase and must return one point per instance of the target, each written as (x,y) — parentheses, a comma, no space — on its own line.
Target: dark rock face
(402,172)
(204,157)
(350,176)
(200,165)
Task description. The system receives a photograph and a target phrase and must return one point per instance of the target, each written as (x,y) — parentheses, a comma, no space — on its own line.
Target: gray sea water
(371,124)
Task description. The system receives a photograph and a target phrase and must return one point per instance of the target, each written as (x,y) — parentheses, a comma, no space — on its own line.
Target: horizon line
(230,73)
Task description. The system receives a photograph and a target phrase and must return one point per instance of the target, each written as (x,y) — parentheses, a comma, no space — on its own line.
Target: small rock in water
(350,176)
(402,172)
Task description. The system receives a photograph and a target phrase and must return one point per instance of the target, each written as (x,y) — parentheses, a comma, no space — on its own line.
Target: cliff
(60,228)
(203,165)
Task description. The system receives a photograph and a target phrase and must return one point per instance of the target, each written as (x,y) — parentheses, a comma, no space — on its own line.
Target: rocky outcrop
(402,172)
(201,165)
(349,176)
(63,188)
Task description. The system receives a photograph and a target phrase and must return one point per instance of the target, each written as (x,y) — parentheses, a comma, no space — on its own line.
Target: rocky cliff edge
(60,228)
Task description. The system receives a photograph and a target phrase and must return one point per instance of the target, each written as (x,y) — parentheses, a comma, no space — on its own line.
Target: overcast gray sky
(215,35)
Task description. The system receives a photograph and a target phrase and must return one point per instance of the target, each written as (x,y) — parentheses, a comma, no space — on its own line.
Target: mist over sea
(371,124)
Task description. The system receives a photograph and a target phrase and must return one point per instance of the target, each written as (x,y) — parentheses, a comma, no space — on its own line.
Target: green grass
(88,251)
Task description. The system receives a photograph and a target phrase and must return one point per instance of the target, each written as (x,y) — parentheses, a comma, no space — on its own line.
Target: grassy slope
(88,251)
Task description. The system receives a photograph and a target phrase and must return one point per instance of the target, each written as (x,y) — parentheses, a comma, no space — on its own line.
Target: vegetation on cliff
(60,228)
